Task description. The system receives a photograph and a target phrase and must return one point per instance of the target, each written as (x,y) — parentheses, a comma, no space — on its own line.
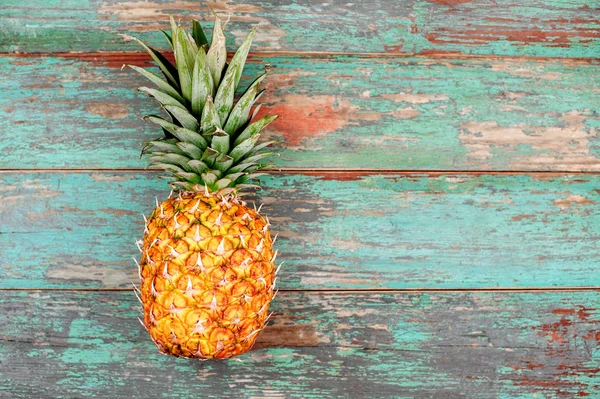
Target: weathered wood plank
(466,345)
(344,230)
(406,113)
(545,28)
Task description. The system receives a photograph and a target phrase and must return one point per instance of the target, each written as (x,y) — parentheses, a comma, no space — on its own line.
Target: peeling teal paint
(542,28)
(451,231)
(448,355)
(77,230)
(406,113)
(89,356)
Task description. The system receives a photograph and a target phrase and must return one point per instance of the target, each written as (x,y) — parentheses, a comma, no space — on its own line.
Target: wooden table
(437,206)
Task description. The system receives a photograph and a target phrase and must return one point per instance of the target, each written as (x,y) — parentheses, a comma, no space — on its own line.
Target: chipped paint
(288,333)
(561,146)
(405,113)
(348,230)
(413,98)
(106,177)
(88,272)
(328,120)
(573,201)
(143,16)
(14,195)
(450,2)
(563,329)
(317,345)
(107,110)
(545,28)
(151,16)
(433,231)
(302,118)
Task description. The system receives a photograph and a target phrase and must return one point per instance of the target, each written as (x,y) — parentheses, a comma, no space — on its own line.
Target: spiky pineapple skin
(208,275)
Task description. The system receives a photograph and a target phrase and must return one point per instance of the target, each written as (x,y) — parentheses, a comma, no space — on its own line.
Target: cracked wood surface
(77,230)
(459,345)
(82,111)
(541,28)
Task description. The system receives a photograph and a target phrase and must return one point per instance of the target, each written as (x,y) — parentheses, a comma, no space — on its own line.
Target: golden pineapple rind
(207,274)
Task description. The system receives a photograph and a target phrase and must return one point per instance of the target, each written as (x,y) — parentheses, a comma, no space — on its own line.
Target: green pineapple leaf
(226,90)
(163,85)
(224,97)
(220,141)
(201,84)
(175,185)
(223,183)
(254,128)
(184,61)
(167,167)
(192,47)
(159,145)
(198,34)
(239,58)
(180,133)
(168,37)
(240,112)
(165,65)
(189,177)
(240,167)
(214,131)
(244,148)
(190,150)
(234,176)
(259,147)
(198,166)
(162,98)
(210,119)
(174,25)
(186,119)
(217,54)
(209,156)
(209,178)
(210,140)
(258,157)
(223,162)
(252,176)
(173,159)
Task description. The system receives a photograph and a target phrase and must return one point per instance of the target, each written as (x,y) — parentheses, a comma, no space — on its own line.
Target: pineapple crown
(209,144)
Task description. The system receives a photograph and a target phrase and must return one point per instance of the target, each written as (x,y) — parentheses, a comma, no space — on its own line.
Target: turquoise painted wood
(75,230)
(336,112)
(453,345)
(547,28)
(469,88)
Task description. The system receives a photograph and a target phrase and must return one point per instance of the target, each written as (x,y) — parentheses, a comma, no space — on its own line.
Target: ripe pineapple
(207,266)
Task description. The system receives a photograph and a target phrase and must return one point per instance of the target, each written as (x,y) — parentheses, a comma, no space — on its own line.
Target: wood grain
(77,230)
(82,111)
(546,28)
(470,345)
(418,85)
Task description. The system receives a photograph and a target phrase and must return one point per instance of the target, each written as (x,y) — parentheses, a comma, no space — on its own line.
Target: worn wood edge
(327,171)
(358,291)
(132,56)
(446,345)
(471,142)
(563,272)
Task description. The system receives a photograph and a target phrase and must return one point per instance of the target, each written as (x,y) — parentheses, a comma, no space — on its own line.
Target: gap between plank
(332,171)
(142,56)
(332,291)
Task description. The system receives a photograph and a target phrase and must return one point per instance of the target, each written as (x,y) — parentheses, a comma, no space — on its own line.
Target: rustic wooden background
(438,203)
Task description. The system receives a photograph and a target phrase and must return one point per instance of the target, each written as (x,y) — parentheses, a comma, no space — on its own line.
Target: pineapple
(207,267)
